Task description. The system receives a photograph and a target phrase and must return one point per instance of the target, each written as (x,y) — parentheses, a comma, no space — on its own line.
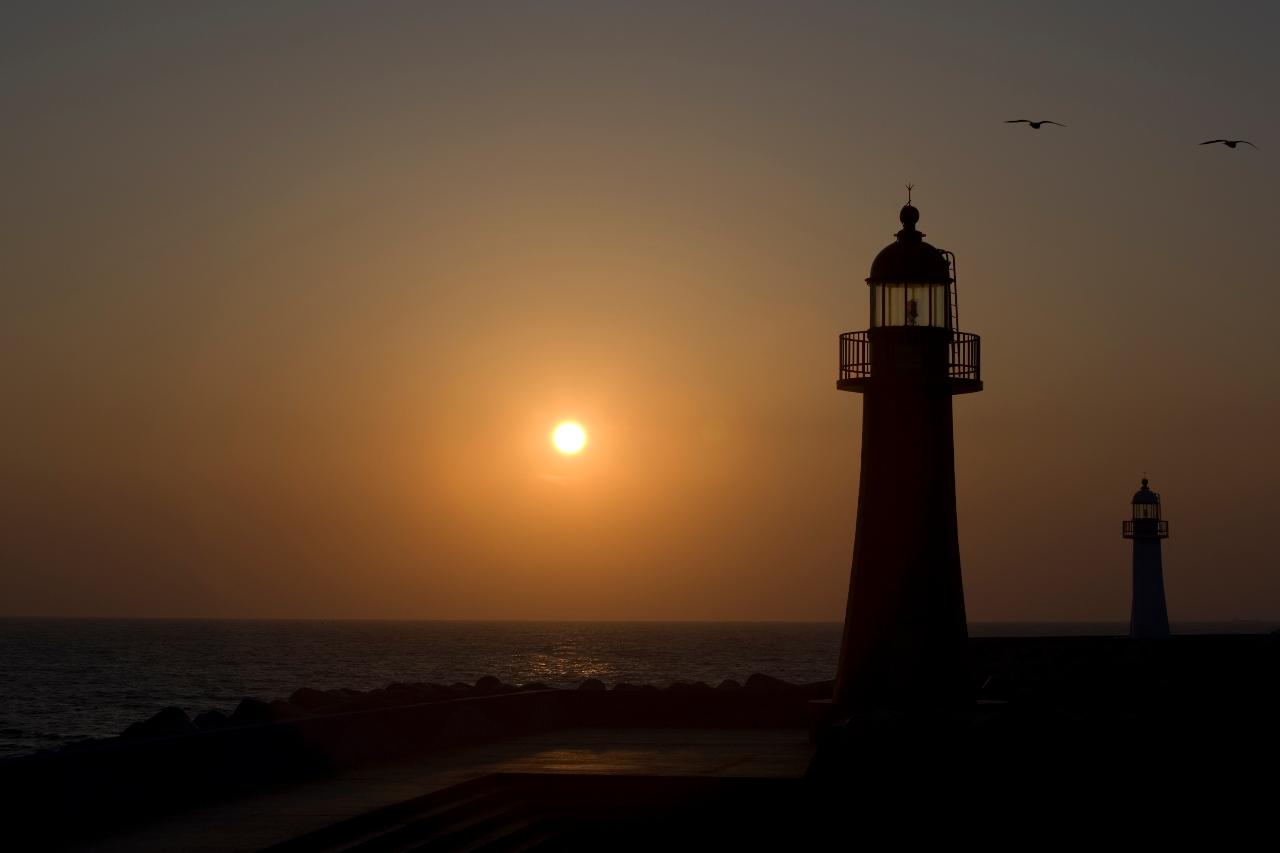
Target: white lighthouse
(1148,616)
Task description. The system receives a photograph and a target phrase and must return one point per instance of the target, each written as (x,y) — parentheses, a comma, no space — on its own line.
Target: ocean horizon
(68,679)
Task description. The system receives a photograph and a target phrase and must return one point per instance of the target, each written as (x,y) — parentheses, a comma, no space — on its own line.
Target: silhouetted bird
(1230,143)
(1035,125)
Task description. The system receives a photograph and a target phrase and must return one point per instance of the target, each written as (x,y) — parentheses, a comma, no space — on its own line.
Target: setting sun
(569,437)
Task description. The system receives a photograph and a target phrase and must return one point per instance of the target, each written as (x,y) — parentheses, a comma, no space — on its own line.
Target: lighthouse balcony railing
(964,360)
(1146,528)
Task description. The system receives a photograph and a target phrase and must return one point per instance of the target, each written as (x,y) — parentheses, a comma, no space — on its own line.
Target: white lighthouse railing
(1145,528)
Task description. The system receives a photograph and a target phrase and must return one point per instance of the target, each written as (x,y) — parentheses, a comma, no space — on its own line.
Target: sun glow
(569,437)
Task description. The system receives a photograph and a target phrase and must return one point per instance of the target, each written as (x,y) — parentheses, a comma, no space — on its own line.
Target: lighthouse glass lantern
(911,281)
(901,303)
(1146,503)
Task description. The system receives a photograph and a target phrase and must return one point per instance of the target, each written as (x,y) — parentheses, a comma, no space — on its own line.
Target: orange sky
(293,297)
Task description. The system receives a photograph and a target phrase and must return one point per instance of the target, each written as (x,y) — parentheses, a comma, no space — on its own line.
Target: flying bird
(1035,125)
(1230,143)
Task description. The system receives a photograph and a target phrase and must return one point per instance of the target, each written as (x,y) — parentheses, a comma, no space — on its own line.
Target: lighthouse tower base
(1148,617)
(905,630)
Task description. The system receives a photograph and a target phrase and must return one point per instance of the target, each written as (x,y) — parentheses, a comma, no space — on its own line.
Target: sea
(64,680)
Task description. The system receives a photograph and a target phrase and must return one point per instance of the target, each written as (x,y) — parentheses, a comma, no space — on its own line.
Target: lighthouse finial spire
(910,187)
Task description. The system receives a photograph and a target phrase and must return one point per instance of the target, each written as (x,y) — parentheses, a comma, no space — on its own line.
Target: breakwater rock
(170,760)
(309,702)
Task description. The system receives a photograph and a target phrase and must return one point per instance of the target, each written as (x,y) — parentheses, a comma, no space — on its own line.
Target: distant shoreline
(976,628)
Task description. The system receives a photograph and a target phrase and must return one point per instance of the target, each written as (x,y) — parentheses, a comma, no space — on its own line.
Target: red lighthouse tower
(905,631)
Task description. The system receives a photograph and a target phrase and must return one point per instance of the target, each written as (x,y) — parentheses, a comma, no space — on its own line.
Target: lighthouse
(1148,616)
(905,632)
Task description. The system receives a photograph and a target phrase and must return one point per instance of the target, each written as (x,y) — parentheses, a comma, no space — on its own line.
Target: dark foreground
(1067,735)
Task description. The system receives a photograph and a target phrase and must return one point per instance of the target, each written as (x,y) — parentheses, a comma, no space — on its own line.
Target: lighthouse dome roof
(910,259)
(1145,495)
